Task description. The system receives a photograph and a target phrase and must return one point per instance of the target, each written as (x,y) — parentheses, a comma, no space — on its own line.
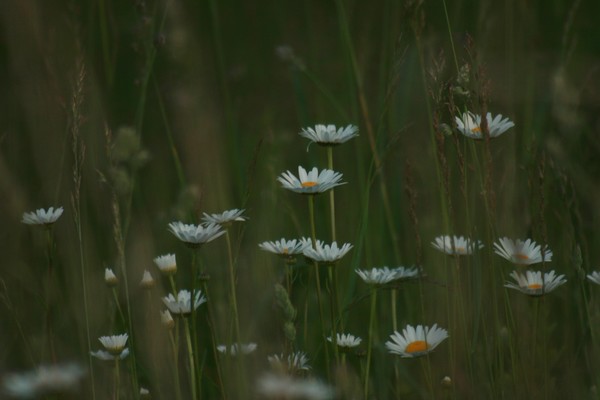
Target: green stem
(117,378)
(119,310)
(370,339)
(49,301)
(331,194)
(233,292)
(175,348)
(334,310)
(191,357)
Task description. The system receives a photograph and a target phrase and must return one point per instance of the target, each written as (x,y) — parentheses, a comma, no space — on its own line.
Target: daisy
(225,218)
(469,124)
(327,254)
(416,342)
(114,346)
(167,319)
(594,277)
(110,278)
(235,349)
(42,217)
(278,386)
(346,340)
(312,182)
(195,235)
(456,245)
(167,264)
(403,273)
(377,276)
(522,252)
(294,362)
(531,282)
(46,380)
(147,281)
(329,135)
(183,305)
(283,247)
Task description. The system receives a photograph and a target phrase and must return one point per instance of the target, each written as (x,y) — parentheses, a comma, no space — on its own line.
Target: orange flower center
(477,129)
(535,286)
(522,256)
(285,250)
(417,346)
(309,184)
(460,249)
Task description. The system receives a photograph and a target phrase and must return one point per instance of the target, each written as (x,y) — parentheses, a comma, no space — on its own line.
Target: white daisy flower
(278,386)
(329,135)
(291,363)
(225,218)
(195,235)
(531,282)
(522,252)
(235,349)
(110,278)
(403,273)
(107,356)
(456,245)
(144,393)
(312,182)
(346,340)
(114,346)
(327,254)
(469,124)
(46,380)
(283,247)
(167,264)
(147,281)
(377,276)
(42,217)
(594,277)
(183,305)
(416,342)
(167,319)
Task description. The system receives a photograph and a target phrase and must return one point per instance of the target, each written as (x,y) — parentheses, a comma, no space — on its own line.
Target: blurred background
(185,107)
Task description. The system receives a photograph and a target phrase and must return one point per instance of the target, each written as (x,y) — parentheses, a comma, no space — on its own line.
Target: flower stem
(175,348)
(117,378)
(233,294)
(370,340)
(331,194)
(191,357)
(49,300)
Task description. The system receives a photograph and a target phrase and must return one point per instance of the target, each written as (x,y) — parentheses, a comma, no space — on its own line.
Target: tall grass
(132,115)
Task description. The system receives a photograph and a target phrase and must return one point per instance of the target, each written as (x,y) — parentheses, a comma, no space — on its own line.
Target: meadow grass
(134,115)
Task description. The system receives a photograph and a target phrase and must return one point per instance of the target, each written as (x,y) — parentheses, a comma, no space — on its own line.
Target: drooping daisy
(195,235)
(377,276)
(114,347)
(283,247)
(594,277)
(167,264)
(225,218)
(326,254)
(329,135)
(346,340)
(312,182)
(42,217)
(291,363)
(469,124)
(456,245)
(416,342)
(147,281)
(235,349)
(280,386)
(183,304)
(522,252)
(46,380)
(110,278)
(532,284)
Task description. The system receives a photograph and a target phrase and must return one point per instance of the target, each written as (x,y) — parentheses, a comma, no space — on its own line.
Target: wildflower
(327,254)
(147,281)
(531,282)
(312,182)
(195,235)
(381,276)
(42,217)
(416,342)
(294,362)
(456,245)
(144,393)
(182,305)
(329,135)
(46,380)
(235,349)
(110,278)
(167,264)
(167,319)
(446,382)
(522,252)
(278,386)
(225,218)
(284,248)
(346,340)
(115,347)
(403,273)
(469,124)
(594,277)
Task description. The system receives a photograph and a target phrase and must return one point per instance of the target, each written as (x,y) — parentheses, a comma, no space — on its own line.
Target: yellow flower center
(477,129)
(285,250)
(522,256)
(535,286)
(309,184)
(417,346)
(460,249)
